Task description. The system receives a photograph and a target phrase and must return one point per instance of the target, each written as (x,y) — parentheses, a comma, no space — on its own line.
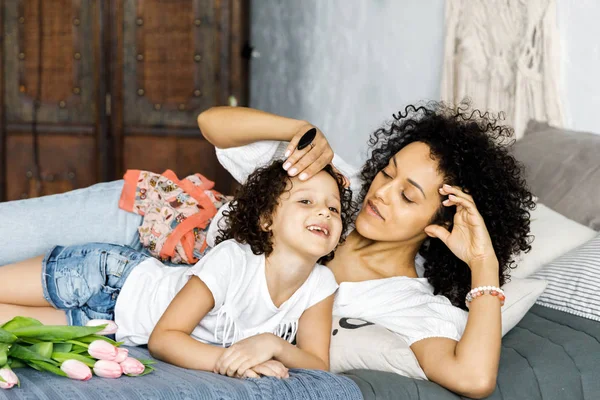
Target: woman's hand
(469,239)
(246,354)
(310,160)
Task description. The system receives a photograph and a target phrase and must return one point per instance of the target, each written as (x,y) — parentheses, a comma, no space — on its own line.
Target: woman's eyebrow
(415,184)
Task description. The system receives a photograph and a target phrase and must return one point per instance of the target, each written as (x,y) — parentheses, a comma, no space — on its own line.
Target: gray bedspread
(170,382)
(549,355)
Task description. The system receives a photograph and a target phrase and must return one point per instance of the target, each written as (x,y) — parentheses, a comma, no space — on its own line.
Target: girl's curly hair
(472,153)
(256,200)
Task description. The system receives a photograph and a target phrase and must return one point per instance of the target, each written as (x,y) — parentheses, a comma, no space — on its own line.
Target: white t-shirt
(406,306)
(236,278)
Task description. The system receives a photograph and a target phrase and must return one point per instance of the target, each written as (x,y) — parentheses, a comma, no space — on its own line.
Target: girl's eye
(304,201)
(333,209)
(386,174)
(406,198)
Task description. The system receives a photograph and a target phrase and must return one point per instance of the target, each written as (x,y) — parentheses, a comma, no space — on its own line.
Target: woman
(407,209)
(427,171)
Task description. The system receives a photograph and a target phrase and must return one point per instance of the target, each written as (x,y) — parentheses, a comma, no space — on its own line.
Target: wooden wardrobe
(91,88)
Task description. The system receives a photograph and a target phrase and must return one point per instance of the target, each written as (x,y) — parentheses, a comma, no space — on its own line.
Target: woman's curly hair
(256,200)
(472,151)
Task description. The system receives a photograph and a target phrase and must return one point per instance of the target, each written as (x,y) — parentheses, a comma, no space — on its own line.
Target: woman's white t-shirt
(406,306)
(236,278)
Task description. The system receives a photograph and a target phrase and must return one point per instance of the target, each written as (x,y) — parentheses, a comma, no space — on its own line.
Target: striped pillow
(574,281)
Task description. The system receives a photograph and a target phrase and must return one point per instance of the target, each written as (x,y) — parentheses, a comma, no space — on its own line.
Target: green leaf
(147,370)
(62,357)
(7,337)
(44,366)
(44,349)
(25,354)
(62,347)
(78,350)
(29,341)
(16,363)
(78,343)
(56,333)
(90,338)
(20,322)
(3,354)
(147,362)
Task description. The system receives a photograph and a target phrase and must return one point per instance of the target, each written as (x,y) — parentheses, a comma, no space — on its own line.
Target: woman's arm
(226,127)
(468,367)
(312,352)
(171,341)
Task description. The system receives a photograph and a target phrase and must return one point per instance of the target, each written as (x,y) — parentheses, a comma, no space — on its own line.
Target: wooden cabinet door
(172,59)
(62,70)
(120,83)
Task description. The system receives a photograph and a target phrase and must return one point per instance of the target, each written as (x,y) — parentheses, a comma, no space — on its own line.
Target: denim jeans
(85,280)
(30,228)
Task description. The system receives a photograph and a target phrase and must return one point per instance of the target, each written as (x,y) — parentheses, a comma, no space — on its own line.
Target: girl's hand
(246,354)
(269,368)
(469,239)
(310,160)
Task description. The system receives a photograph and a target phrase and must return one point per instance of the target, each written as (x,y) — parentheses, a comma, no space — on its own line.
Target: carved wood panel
(119,82)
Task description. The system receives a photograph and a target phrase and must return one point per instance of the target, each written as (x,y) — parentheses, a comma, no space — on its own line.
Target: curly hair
(256,200)
(471,149)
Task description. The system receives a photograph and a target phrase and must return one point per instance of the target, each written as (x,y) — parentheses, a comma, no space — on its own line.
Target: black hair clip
(307,138)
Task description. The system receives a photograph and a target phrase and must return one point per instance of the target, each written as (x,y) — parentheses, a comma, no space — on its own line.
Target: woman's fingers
(447,189)
(437,231)
(251,374)
(307,162)
(459,201)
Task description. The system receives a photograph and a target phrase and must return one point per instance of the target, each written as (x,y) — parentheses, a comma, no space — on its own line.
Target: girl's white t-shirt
(236,278)
(406,306)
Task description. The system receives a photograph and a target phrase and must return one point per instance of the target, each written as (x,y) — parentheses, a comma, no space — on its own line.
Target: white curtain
(504,56)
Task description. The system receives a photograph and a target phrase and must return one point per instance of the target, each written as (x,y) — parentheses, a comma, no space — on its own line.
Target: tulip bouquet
(70,351)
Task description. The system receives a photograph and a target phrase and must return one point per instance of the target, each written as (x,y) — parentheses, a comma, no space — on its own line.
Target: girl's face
(403,197)
(307,219)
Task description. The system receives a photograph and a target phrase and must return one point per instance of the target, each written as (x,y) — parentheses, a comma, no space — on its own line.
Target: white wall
(347,65)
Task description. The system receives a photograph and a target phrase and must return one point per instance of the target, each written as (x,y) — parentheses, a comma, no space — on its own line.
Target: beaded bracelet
(480,291)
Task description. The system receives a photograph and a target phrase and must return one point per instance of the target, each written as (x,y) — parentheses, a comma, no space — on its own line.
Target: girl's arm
(311,352)
(171,341)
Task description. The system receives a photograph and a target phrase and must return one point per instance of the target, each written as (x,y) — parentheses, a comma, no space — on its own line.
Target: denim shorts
(85,280)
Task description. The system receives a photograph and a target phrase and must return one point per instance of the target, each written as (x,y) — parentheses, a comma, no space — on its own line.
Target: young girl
(237,311)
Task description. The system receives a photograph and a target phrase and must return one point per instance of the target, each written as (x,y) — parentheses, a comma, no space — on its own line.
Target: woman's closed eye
(406,198)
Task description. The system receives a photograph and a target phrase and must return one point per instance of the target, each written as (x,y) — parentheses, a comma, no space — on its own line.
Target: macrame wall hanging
(504,57)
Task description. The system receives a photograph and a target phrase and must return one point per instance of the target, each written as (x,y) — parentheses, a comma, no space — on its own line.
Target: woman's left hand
(469,239)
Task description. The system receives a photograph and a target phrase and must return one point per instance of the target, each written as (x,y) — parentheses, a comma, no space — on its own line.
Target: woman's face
(403,197)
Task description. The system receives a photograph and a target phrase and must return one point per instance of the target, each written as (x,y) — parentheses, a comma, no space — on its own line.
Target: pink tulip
(108,369)
(10,379)
(76,370)
(132,367)
(122,355)
(103,350)
(111,327)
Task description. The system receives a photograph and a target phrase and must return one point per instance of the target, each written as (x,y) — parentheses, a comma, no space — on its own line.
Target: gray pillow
(562,168)
(574,281)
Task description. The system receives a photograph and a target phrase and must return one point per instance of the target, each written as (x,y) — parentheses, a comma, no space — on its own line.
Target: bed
(550,354)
